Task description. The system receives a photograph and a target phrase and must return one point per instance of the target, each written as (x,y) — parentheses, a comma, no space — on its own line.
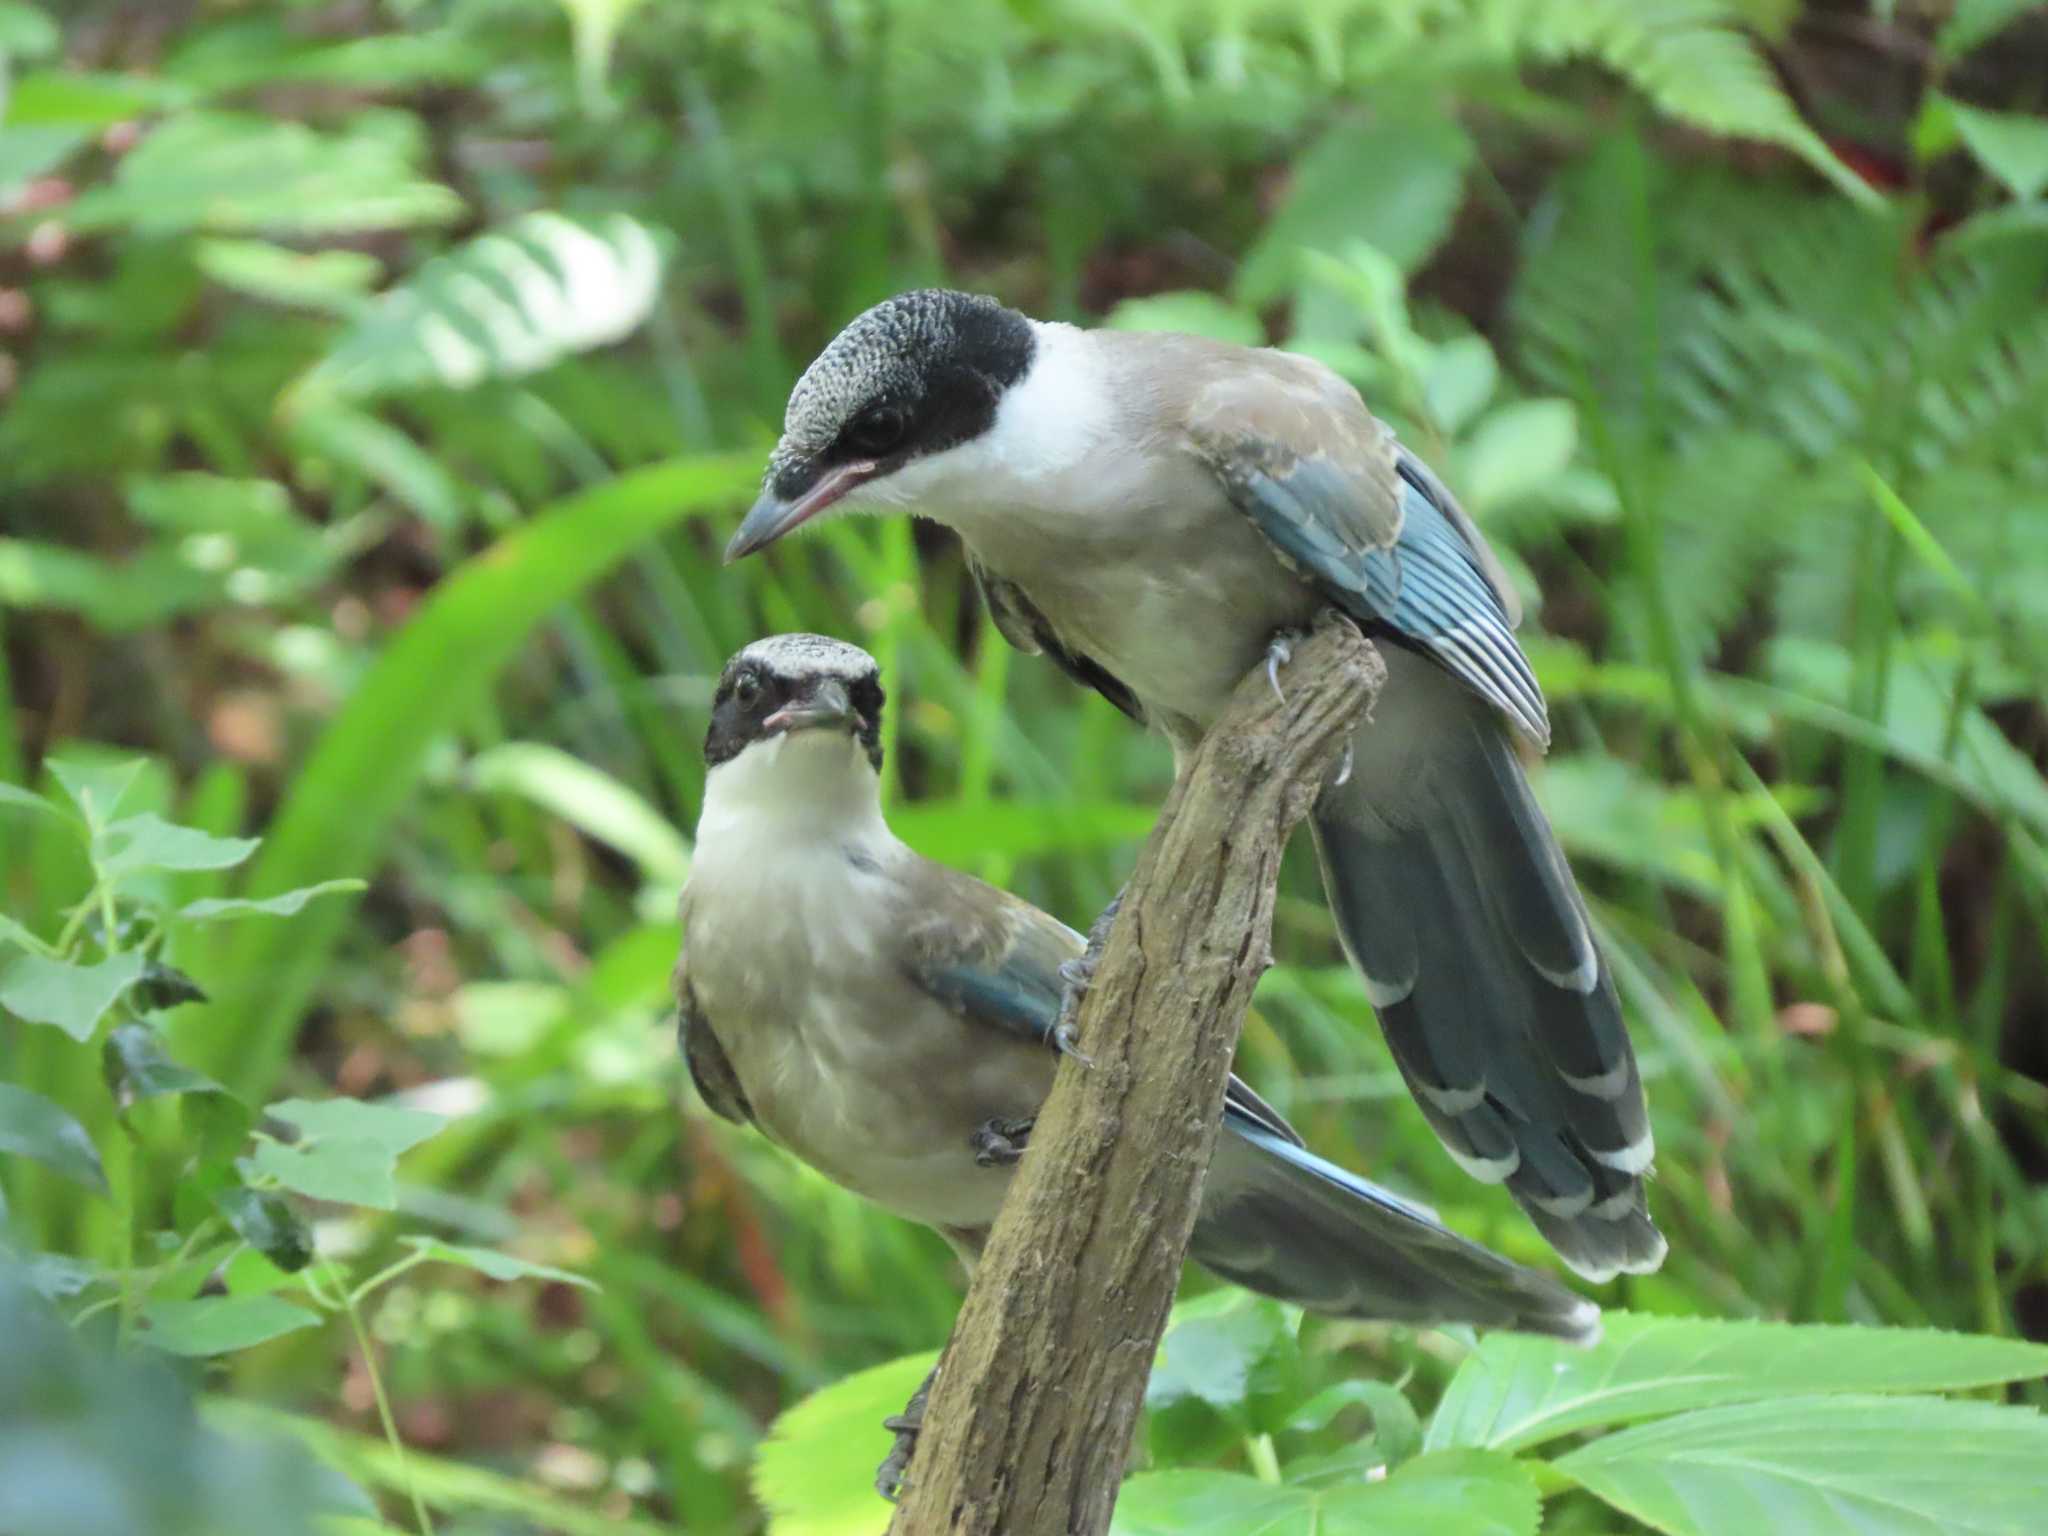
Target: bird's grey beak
(824,707)
(772,517)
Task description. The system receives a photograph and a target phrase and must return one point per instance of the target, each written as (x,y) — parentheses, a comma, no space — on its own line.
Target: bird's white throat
(806,789)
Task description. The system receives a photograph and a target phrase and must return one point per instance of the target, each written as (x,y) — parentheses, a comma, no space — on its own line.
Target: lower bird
(896,1025)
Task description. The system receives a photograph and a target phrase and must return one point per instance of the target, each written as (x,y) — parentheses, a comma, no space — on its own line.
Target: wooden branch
(1029,1425)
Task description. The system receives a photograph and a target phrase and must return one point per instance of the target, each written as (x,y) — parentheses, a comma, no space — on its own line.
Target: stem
(355,1322)
(385,1276)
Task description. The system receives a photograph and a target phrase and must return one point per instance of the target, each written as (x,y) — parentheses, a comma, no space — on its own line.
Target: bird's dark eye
(747,691)
(876,430)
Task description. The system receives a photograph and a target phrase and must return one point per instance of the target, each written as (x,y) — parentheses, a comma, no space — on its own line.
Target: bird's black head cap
(915,375)
(782,673)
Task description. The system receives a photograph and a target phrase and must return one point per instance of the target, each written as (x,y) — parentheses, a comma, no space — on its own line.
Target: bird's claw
(890,1481)
(1343,768)
(998,1143)
(1278,653)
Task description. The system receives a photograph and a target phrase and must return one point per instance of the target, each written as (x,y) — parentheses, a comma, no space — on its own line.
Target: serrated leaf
(506,304)
(1875,1466)
(2012,146)
(348,1172)
(1452,1493)
(266,1221)
(148,841)
(96,785)
(1393,181)
(496,1265)
(287,904)
(239,172)
(1518,1391)
(40,990)
(1210,1348)
(33,1127)
(389,1127)
(815,1471)
(219,1325)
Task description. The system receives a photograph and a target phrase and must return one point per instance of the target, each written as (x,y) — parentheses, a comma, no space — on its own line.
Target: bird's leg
(999,1142)
(905,1425)
(1279,651)
(1076,975)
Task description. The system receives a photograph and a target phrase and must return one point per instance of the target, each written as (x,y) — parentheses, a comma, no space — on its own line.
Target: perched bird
(891,1022)
(1156,513)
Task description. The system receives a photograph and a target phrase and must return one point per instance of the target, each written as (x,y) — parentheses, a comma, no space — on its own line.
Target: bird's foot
(1076,975)
(1343,767)
(889,1480)
(998,1143)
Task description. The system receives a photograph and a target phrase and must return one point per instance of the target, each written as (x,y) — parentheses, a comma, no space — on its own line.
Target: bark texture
(1030,1423)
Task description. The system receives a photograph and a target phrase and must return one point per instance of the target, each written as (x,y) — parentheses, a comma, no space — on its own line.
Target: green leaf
(1458,378)
(290,903)
(588,799)
(219,1325)
(1516,450)
(31,1126)
(1394,1424)
(13,933)
(1210,1347)
(498,1266)
(75,98)
(1976,21)
(1875,1466)
(959,832)
(2010,145)
(815,1472)
(41,990)
(331,282)
(266,1221)
(165,986)
(15,797)
(1194,313)
(347,1172)
(26,153)
(26,33)
(389,1127)
(1518,1391)
(1394,181)
(338,812)
(1452,1493)
(236,172)
(96,785)
(137,1068)
(506,304)
(149,842)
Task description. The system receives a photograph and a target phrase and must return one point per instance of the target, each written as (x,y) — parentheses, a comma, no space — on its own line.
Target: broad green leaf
(338,812)
(26,33)
(1210,1348)
(1874,1466)
(31,1126)
(41,990)
(1458,379)
(60,1276)
(96,785)
(13,933)
(220,909)
(237,172)
(26,153)
(266,1221)
(1195,313)
(390,1127)
(2012,146)
(815,1473)
(265,50)
(1394,1424)
(506,304)
(218,1325)
(1516,450)
(1394,181)
(1452,1493)
(137,1067)
(148,587)
(149,842)
(590,800)
(498,1266)
(348,1172)
(13,796)
(73,98)
(1518,1391)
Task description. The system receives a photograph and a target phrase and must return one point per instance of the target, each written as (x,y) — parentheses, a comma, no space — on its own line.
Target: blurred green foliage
(378,381)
